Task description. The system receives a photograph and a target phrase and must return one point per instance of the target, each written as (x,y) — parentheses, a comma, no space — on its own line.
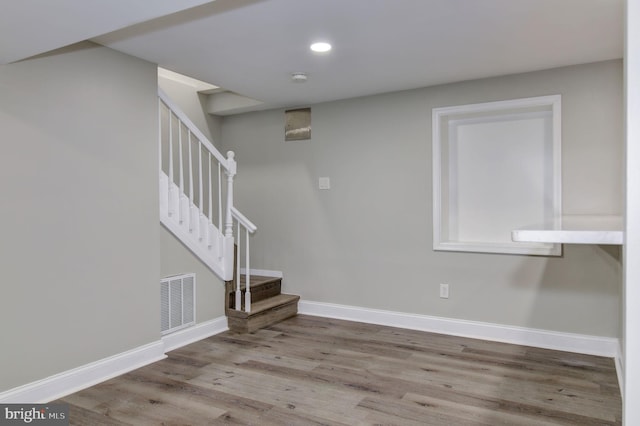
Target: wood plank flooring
(317,371)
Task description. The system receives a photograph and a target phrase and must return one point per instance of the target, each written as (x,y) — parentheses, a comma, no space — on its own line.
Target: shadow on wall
(593,283)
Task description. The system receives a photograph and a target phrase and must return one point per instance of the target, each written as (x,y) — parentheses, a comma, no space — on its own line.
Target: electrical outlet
(444,291)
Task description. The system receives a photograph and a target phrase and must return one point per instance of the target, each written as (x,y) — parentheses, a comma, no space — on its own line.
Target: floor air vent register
(177,302)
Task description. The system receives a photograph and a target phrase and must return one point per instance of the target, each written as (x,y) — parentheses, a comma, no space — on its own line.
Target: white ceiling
(252,46)
(31,27)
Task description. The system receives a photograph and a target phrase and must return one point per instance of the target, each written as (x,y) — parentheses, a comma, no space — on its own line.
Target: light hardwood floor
(317,371)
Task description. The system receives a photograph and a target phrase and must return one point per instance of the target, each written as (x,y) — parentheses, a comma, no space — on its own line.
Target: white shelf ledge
(575,229)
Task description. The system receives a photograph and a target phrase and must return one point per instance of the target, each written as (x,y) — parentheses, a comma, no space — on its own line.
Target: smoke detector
(299,77)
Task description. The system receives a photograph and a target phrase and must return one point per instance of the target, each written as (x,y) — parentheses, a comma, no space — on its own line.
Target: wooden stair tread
(265,305)
(257,280)
(261,288)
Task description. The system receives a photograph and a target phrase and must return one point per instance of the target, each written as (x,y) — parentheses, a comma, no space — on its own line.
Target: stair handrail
(246,223)
(181,205)
(194,129)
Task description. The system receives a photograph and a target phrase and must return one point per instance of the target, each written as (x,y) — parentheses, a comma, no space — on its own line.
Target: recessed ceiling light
(321,47)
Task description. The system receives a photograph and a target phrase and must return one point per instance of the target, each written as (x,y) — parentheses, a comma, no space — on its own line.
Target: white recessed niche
(496,168)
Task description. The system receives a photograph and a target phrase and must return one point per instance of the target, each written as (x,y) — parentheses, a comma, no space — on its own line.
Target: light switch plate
(444,291)
(324,183)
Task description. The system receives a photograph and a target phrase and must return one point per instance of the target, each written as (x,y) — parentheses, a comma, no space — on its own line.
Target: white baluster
(247,297)
(193,210)
(210,240)
(170,148)
(159,134)
(190,167)
(181,179)
(184,202)
(210,192)
(164,184)
(200,203)
(203,220)
(219,235)
(174,195)
(231,172)
(238,291)
(220,195)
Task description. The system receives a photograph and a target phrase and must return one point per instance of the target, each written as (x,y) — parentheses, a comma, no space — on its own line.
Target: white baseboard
(579,343)
(262,272)
(68,382)
(193,334)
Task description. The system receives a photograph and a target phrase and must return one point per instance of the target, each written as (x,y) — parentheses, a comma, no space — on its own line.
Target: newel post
(230,172)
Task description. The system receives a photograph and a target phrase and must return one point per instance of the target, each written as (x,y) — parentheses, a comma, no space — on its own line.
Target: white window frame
(444,122)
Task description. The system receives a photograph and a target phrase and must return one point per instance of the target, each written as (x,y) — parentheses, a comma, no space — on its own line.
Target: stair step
(263,313)
(264,305)
(261,288)
(259,280)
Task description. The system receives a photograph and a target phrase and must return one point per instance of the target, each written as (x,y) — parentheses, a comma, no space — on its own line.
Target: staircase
(268,304)
(196,205)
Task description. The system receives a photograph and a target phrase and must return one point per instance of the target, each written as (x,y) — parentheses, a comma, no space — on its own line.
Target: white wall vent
(177,302)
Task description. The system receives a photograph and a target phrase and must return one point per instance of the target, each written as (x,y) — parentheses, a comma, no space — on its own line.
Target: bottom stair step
(263,313)
(261,288)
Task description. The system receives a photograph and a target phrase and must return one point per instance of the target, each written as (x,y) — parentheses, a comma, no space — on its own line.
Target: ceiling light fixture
(320,47)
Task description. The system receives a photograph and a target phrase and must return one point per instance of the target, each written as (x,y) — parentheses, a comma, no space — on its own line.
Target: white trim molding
(467,135)
(74,380)
(570,342)
(193,334)
(68,382)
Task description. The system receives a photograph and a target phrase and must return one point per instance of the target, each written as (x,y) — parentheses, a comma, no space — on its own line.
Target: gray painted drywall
(368,240)
(79,250)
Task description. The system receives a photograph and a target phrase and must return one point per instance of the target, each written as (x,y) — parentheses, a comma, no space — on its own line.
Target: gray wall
(368,241)
(79,250)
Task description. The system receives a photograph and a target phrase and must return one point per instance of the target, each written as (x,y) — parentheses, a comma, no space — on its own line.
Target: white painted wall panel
(499,178)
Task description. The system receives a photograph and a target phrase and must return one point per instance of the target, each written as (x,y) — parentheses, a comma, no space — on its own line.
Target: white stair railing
(195,204)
